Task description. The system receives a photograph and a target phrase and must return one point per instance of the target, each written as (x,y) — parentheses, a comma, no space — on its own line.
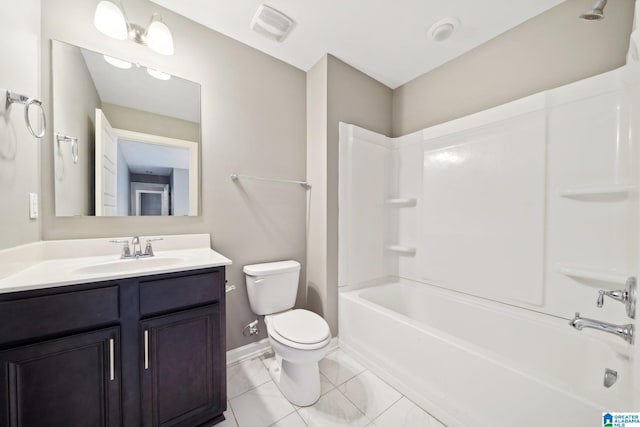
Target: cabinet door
(183,365)
(72,381)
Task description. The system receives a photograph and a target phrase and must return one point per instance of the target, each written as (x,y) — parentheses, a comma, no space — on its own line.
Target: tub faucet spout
(623,331)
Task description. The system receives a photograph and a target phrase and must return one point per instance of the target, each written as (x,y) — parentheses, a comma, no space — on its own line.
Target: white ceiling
(135,88)
(385,39)
(142,157)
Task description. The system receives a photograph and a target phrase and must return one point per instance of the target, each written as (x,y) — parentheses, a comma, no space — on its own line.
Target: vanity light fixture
(111,20)
(118,63)
(158,74)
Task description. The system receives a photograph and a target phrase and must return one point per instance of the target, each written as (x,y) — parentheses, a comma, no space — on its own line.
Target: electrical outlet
(33,205)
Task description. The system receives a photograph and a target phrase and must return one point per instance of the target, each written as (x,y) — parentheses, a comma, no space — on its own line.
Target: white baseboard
(334,344)
(249,351)
(258,348)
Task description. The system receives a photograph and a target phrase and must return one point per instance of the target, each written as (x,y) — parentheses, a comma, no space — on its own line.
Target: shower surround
(466,248)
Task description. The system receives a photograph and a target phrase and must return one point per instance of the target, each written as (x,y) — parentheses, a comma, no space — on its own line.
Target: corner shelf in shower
(401,250)
(598,190)
(408,202)
(608,276)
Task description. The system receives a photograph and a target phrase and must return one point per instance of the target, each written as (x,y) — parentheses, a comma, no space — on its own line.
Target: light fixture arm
(112,20)
(120,4)
(137,33)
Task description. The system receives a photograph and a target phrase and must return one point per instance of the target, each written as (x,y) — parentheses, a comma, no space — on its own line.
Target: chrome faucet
(623,331)
(128,253)
(135,243)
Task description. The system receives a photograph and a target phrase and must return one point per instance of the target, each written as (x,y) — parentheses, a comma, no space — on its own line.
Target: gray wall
(75,100)
(253,122)
(550,50)
(336,92)
(316,286)
(19,151)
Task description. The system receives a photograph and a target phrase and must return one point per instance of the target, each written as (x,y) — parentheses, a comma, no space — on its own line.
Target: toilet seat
(301,329)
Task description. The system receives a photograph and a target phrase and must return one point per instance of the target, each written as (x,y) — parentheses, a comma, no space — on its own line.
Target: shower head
(596,13)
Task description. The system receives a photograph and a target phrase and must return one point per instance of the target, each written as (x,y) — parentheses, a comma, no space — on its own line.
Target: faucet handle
(126,251)
(575,319)
(600,301)
(627,296)
(148,250)
(621,295)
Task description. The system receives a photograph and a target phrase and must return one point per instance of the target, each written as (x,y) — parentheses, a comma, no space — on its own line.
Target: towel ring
(28,102)
(74,145)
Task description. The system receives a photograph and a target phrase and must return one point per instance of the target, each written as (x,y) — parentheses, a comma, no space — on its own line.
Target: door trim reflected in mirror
(164,141)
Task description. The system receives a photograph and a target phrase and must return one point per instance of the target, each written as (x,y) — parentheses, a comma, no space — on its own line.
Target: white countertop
(50,264)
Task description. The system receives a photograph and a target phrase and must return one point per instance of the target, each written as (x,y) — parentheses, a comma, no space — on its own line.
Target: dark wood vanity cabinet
(179,368)
(147,351)
(70,381)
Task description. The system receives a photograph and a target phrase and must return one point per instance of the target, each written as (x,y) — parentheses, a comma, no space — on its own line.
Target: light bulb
(110,21)
(159,37)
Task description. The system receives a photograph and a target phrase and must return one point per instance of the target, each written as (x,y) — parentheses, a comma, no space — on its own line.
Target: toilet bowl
(295,369)
(299,338)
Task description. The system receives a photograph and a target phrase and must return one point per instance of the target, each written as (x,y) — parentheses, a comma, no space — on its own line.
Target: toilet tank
(272,287)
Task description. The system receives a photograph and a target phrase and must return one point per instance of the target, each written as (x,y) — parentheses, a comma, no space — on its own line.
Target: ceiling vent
(271,23)
(443,29)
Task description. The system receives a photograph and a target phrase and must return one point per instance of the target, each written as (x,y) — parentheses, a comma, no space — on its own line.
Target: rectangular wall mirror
(126,137)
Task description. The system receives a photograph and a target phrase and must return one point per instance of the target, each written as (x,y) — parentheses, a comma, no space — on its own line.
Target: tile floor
(351,396)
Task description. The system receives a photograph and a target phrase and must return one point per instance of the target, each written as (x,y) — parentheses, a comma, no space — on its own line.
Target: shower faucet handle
(616,295)
(627,296)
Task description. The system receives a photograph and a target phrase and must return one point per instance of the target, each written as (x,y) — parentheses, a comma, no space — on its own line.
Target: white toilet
(299,338)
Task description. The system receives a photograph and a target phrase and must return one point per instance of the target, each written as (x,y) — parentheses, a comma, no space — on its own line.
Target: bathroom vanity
(147,348)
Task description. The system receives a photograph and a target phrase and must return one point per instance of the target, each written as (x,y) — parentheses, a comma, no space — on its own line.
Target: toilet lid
(301,326)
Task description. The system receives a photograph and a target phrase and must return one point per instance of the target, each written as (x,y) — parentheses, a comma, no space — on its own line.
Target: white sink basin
(125,265)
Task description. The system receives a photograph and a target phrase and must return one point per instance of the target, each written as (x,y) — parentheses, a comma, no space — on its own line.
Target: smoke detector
(271,23)
(443,29)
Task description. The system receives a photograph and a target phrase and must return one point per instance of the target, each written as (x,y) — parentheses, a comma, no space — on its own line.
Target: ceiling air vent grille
(271,23)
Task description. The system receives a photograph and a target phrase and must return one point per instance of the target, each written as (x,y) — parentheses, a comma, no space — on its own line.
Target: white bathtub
(477,363)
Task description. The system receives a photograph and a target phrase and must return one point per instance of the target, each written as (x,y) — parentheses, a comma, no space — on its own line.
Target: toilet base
(298,382)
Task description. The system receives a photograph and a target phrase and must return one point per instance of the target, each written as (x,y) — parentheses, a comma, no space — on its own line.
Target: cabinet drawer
(167,294)
(36,317)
